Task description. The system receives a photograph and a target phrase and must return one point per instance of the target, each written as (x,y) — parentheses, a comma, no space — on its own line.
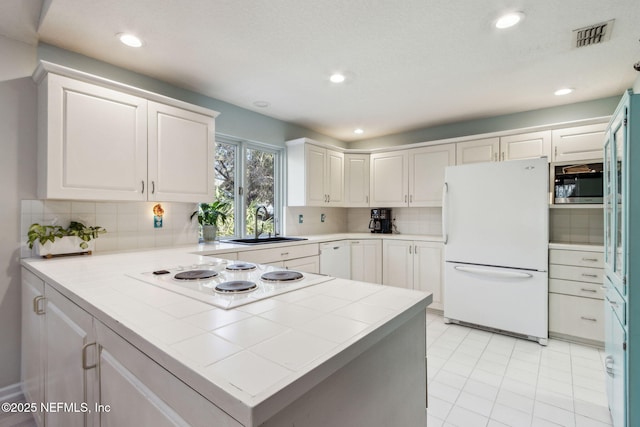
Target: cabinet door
(315,162)
(426,173)
(615,363)
(33,350)
(94,143)
(181,155)
(356,180)
(397,263)
(366,261)
(309,264)
(428,265)
(526,146)
(334,178)
(578,143)
(390,179)
(68,330)
(480,150)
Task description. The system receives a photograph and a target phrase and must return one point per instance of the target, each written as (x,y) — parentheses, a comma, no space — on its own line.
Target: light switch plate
(300,219)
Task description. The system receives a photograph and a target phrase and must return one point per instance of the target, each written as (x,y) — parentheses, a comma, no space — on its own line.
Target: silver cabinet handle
(415,249)
(590,319)
(36,305)
(589,275)
(366,198)
(284,254)
(85,366)
(142,186)
(153,187)
(555,152)
(590,259)
(355,243)
(588,290)
(405,198)
(328,198)
(502,156)
(608,364)
(410,246)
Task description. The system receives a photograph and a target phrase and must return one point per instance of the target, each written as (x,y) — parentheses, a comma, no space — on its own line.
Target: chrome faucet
(255,226)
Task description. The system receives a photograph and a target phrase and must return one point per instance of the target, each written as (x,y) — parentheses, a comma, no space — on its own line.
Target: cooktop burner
(281,276)
(196,275)
(241,266)
(236,287)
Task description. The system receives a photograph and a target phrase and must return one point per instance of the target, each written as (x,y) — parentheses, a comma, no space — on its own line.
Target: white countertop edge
(577,247)
(245,410)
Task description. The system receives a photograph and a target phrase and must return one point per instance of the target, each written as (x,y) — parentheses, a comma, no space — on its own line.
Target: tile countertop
(577,247)
(222,247)
(291,342)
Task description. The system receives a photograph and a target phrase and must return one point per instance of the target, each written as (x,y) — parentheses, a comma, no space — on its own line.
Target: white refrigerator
(496,231)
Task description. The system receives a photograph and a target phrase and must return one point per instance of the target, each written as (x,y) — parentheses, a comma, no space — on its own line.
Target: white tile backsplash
(129,225)
(407,220)
(335,220)
(580,226)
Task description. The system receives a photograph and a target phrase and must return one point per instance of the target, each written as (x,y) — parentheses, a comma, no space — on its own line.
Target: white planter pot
(64,245)
(209,233)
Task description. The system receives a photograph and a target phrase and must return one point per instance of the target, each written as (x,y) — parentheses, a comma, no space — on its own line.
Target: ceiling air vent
(593,34)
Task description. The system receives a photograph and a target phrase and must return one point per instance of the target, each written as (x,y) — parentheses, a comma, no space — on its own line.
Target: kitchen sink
(263,240)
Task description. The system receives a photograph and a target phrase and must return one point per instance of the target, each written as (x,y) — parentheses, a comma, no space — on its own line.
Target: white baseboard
(11,392)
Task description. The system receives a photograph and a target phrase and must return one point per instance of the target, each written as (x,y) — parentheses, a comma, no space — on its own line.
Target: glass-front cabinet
(622,261)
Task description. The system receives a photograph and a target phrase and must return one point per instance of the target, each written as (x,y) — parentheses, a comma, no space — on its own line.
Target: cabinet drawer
(617,304)
(265,256)
(579,289)
(576,316)
(577,258)
(581,274)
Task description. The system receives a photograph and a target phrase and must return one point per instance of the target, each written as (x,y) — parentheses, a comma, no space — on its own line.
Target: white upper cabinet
(578,143)
(426,173)
(356,180)
(410,177)
(477,151)
(315,175)
(390,179)
(97,142)
(526,146)
(181,152)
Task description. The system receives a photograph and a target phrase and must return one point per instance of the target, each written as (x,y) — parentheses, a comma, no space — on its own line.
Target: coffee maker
(380,220)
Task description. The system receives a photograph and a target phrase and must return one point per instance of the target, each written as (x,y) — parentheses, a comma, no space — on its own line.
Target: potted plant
(50,240)
(210,215)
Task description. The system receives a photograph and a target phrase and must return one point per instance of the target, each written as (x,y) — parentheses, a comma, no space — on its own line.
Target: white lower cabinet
(575,295)
(134,390)
(414,265)
(310,264)
(72,359)
(366,260)
(33,345)
(70,376)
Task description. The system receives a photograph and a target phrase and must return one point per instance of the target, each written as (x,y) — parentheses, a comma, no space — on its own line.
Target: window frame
(239,176)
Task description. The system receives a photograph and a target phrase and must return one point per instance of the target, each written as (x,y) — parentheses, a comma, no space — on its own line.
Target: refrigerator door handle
(445,199)
(493,273)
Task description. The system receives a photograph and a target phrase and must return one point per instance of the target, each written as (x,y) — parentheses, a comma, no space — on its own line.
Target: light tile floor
(479,378)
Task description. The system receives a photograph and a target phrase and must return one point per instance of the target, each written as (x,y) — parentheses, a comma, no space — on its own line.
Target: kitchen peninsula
(336,352)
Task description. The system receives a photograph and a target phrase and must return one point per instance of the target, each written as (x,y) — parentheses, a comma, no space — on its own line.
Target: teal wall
(545,116)
(233,120)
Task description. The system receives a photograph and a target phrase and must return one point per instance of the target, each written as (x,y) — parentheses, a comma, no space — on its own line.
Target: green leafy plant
(49,233)
(214,213)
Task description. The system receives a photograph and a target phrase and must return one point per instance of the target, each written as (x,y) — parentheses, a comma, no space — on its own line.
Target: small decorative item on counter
(54,240)
(210,215)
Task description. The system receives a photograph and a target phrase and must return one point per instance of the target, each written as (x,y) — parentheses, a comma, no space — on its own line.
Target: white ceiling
(411,63)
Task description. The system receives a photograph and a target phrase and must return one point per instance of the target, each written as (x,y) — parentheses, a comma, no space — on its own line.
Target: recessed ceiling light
(358,131)
(563,91)
(129,39)
(509,20)
(261,104)
(337,78)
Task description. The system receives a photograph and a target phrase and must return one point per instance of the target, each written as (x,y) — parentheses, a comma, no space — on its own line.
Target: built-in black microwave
(578,183)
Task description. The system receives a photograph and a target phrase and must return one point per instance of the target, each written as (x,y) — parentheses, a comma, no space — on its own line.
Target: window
(248,177)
